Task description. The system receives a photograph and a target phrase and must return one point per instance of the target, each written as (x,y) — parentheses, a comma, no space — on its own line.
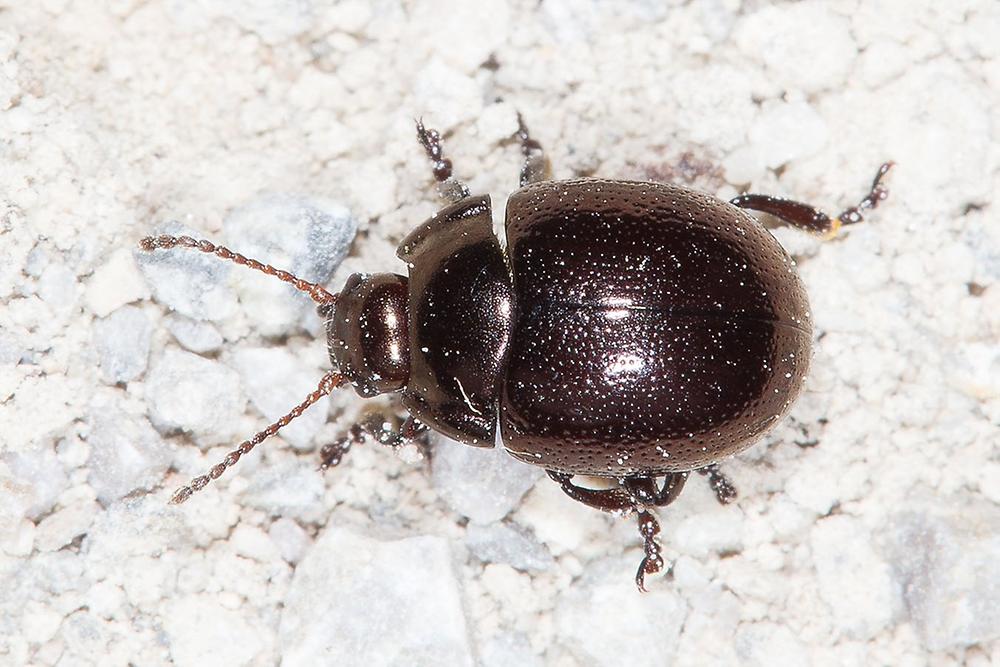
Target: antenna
(330,381)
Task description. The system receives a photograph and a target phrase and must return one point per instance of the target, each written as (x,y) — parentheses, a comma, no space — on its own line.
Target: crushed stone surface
(866,529)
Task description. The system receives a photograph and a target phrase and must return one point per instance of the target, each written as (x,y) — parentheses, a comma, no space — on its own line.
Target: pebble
(765,644)
(292,541)
(853,580)
(126,454)
(194,394)
(40,470)
(944,559)
(114,284)
(786,131)
(602,620)
(122,344)
(276,381)
(186,280)
(194,335)
(482,484)
(505,543)
(508,649)
(357,601)
(201,631)
(802,46)
(63,526)
(306,236)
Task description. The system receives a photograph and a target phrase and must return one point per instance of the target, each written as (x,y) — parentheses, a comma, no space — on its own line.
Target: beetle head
(368,333)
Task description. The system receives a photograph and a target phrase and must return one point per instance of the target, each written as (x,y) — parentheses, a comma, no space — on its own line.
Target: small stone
(786,131)
(508,649)
(503,543)
(194,335)
(292,541)
(603,620)
(126,454)
(57,286)
(475,30)
(446,94)
(717,530)
(200,631)
(194,394)
(286,489)
(63,526)
(114,284)
(944,559)
(277,380)
(482,484)
(252,542)
(41,470)
(359,601)
(20,541)
(802,45)
(853,580)
(769,644)
(15,500)
(122,344)
(186,280)
(39,623)
(306,236)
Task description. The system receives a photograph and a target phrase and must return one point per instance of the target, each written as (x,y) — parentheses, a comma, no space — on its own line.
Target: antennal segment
(164,242)
(329,382)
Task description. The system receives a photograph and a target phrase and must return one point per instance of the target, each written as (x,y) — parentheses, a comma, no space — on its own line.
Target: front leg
(810,218)
(379,428)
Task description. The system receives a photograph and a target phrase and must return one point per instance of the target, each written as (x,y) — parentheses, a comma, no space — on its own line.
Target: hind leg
(810,218)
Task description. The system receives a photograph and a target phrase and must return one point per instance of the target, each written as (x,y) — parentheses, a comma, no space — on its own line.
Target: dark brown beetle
(631,331)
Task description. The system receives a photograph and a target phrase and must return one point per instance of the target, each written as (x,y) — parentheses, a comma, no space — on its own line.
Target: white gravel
(867,526)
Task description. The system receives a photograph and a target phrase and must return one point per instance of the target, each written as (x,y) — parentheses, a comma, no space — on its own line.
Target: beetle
(630,331)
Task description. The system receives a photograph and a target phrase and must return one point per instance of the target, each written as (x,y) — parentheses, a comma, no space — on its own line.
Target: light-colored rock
(306,236)
(194,335)
(945,562)
(480,483)
(853,580)
(186,280)
(122,341)
(190,393)
(126,454)
(359,601)
(604,621)
(276,381)
(202,631)
(114,284)
(507,543)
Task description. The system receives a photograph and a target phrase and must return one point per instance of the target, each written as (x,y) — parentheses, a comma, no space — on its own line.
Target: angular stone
(357,601)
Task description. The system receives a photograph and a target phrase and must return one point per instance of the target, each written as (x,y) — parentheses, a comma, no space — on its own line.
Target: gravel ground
(867,530)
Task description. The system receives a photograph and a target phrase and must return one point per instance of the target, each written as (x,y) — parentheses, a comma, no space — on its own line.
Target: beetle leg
(652,562)
(811,218)
(724,490)
(536,166)
(449,187)
(606,500)
(380,429)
